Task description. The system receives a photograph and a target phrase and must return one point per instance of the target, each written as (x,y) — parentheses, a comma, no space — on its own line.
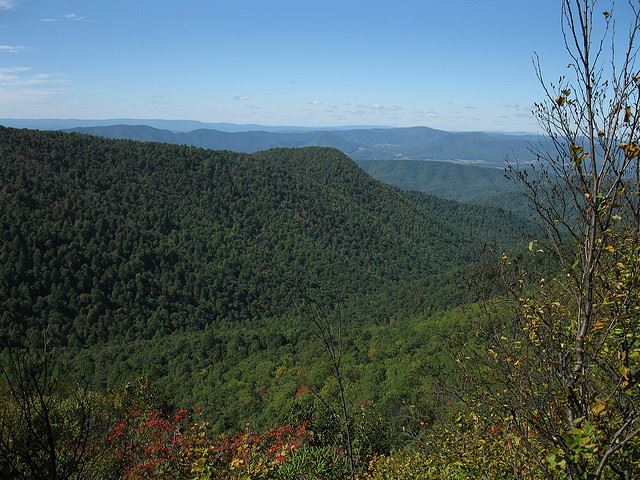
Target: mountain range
(173,125)
(413,143)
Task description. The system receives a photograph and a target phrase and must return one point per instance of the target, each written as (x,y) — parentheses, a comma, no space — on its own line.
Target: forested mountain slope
(471,184)
(104,239)
(443,179)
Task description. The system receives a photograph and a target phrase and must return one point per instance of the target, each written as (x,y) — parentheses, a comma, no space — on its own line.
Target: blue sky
(454,64)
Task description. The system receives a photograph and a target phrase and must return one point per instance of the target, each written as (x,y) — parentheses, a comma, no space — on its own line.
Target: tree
(567,368)
(46,432)
(332,341)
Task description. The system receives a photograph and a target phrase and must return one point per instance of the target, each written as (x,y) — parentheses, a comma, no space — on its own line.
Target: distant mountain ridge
(173,125)
(411,143)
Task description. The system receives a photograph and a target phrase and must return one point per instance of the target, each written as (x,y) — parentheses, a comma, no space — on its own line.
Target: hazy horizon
(7,121)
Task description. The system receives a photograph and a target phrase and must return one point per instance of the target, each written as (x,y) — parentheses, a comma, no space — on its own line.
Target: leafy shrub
(314,462)
(469,448)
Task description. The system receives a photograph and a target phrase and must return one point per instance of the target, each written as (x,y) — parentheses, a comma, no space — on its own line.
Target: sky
(452,64)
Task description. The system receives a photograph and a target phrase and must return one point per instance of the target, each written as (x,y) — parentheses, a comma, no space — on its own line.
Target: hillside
(443,179)
(106,240)
(414,143)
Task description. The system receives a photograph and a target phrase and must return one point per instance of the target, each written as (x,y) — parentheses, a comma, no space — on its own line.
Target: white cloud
(377,107)
(523,111)
(12,48)
(71,17)
(242,98)
(20,85)
(11,74)
(315,102)
(421,115)
(22,76)
(7,4)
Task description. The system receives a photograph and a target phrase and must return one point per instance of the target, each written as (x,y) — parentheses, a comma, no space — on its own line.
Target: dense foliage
(68,433)
(195,269)
(106,240)
(444,179)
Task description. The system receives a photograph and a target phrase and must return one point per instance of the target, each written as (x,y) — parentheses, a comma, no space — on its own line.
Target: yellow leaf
(577,154)
(598,408)
(631,150)
(624,372)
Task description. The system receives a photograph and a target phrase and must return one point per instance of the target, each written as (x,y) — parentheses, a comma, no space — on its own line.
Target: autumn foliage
(150,444)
